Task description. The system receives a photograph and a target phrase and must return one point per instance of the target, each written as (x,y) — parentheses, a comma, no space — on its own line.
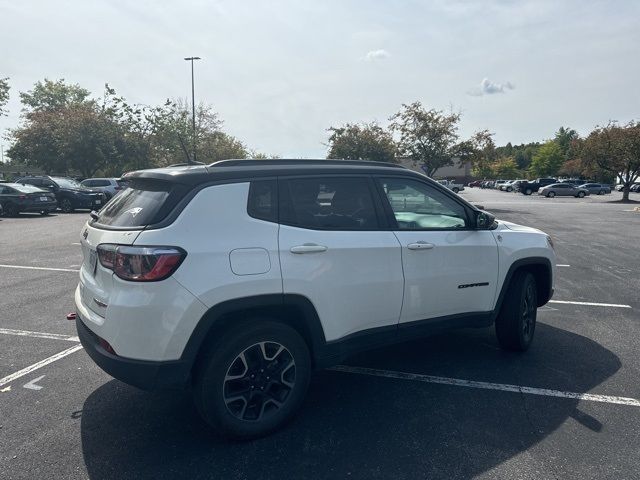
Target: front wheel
(456,190)
(601,192)
(551,194)
(253,380)
(516,322)
(580,195)
(528,191)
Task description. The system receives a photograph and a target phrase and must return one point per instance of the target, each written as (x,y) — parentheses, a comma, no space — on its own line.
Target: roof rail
(289,161)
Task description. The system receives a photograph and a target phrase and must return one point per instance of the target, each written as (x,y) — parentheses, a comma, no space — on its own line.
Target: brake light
(140,264)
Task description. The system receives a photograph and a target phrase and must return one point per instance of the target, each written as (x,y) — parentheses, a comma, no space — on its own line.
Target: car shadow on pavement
(356,426)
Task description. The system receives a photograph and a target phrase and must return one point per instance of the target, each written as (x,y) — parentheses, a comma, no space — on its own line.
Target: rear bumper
(143,374)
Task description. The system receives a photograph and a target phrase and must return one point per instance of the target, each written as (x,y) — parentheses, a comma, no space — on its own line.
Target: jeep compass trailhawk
(240,278)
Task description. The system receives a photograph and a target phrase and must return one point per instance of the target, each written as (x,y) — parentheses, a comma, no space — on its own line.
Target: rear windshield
(66,182)
(142,203)
(26,188)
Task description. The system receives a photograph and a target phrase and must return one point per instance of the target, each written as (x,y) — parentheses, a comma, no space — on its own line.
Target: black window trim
(283,195)
(391,218)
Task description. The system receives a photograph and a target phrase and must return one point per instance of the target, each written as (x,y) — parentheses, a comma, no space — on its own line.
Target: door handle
(308,248)
(420,246)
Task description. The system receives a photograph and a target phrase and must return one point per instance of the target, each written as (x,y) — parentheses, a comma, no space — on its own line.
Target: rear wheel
(456,189)
(580,194)
(516,322)
(551,194)
(528,191)
(253,379)
(65,205)
(601,192)
(44,213)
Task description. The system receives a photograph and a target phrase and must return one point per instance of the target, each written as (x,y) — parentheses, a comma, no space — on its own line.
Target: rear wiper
(94,215)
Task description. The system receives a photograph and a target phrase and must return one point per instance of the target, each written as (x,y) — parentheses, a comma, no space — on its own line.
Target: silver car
(596,188)
(564,190)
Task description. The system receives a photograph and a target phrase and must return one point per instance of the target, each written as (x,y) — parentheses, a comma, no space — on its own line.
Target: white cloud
(375,55)
(487,87)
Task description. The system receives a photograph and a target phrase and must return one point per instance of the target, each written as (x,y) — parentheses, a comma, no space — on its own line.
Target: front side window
(418,206)
(333,203)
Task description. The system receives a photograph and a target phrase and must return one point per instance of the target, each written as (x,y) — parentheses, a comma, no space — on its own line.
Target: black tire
(262,404)
(509,189)
(528,191)
(516,322)
(456,190)
(44,213)
(580,195)
(601,192)
(66,206)
(551,194)
(11,210)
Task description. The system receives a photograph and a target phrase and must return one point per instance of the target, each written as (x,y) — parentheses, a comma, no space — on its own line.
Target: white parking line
(562,265)
(40,364)
(487,385)
(39,268)
(27,333)
(591,304)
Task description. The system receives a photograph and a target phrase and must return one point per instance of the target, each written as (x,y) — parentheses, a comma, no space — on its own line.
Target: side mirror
(484,220)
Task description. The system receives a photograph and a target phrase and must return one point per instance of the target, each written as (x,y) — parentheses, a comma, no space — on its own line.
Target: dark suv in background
(69,193)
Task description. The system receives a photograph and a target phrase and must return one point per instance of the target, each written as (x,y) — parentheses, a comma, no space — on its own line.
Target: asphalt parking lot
(451,406)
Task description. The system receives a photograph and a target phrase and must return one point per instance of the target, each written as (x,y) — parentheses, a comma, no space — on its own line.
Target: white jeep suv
(241,277)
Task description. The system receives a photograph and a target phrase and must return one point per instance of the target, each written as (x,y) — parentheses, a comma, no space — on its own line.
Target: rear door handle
(308,248)
(420,246)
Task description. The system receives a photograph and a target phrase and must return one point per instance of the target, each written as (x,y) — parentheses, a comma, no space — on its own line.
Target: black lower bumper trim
(143,374)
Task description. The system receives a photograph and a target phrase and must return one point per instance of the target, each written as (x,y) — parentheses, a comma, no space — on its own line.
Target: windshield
(142,203)
(66,182)
(24,188)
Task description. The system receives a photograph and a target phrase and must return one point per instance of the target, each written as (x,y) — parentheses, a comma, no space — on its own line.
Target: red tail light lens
(140,264)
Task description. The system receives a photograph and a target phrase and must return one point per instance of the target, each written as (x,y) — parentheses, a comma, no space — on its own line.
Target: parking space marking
(504,387)
(591,304)
(562,265)
(27,333)
(32,384)
(39,268)
(42,363)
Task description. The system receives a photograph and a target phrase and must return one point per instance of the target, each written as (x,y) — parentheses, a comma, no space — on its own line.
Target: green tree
(4,95)
(505,167)
(615,149)
(483,154)
(51,95)
(547,160)
(564,138)
(428,137)
(367,141)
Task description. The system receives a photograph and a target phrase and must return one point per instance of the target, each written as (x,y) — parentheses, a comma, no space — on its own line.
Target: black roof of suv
(238,169)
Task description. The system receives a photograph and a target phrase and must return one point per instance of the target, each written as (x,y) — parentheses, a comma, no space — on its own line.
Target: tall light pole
(193,107)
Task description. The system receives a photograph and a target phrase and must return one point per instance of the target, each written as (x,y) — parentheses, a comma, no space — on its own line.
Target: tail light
(140,264)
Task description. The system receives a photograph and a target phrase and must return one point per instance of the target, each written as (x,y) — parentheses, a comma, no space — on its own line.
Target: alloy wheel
(259,381)
(528,311)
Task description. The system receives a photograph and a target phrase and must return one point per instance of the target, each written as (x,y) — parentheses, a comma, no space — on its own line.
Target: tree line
(429,138)
(64,128)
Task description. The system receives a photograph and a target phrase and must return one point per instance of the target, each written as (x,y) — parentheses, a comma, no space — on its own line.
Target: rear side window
(263,203)
(145,202)
(334,203)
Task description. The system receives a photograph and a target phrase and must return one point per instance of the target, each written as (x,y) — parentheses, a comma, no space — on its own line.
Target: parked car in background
(109,186)
(596,188)
(487,184)
(451,185)
(527,188)
(498,183)
(69,194)
(516,184)
(475,183)
(635,188)
(563,190)
(511,185)
(16,198)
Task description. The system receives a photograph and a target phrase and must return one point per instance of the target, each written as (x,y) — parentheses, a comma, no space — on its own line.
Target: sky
(281,72)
